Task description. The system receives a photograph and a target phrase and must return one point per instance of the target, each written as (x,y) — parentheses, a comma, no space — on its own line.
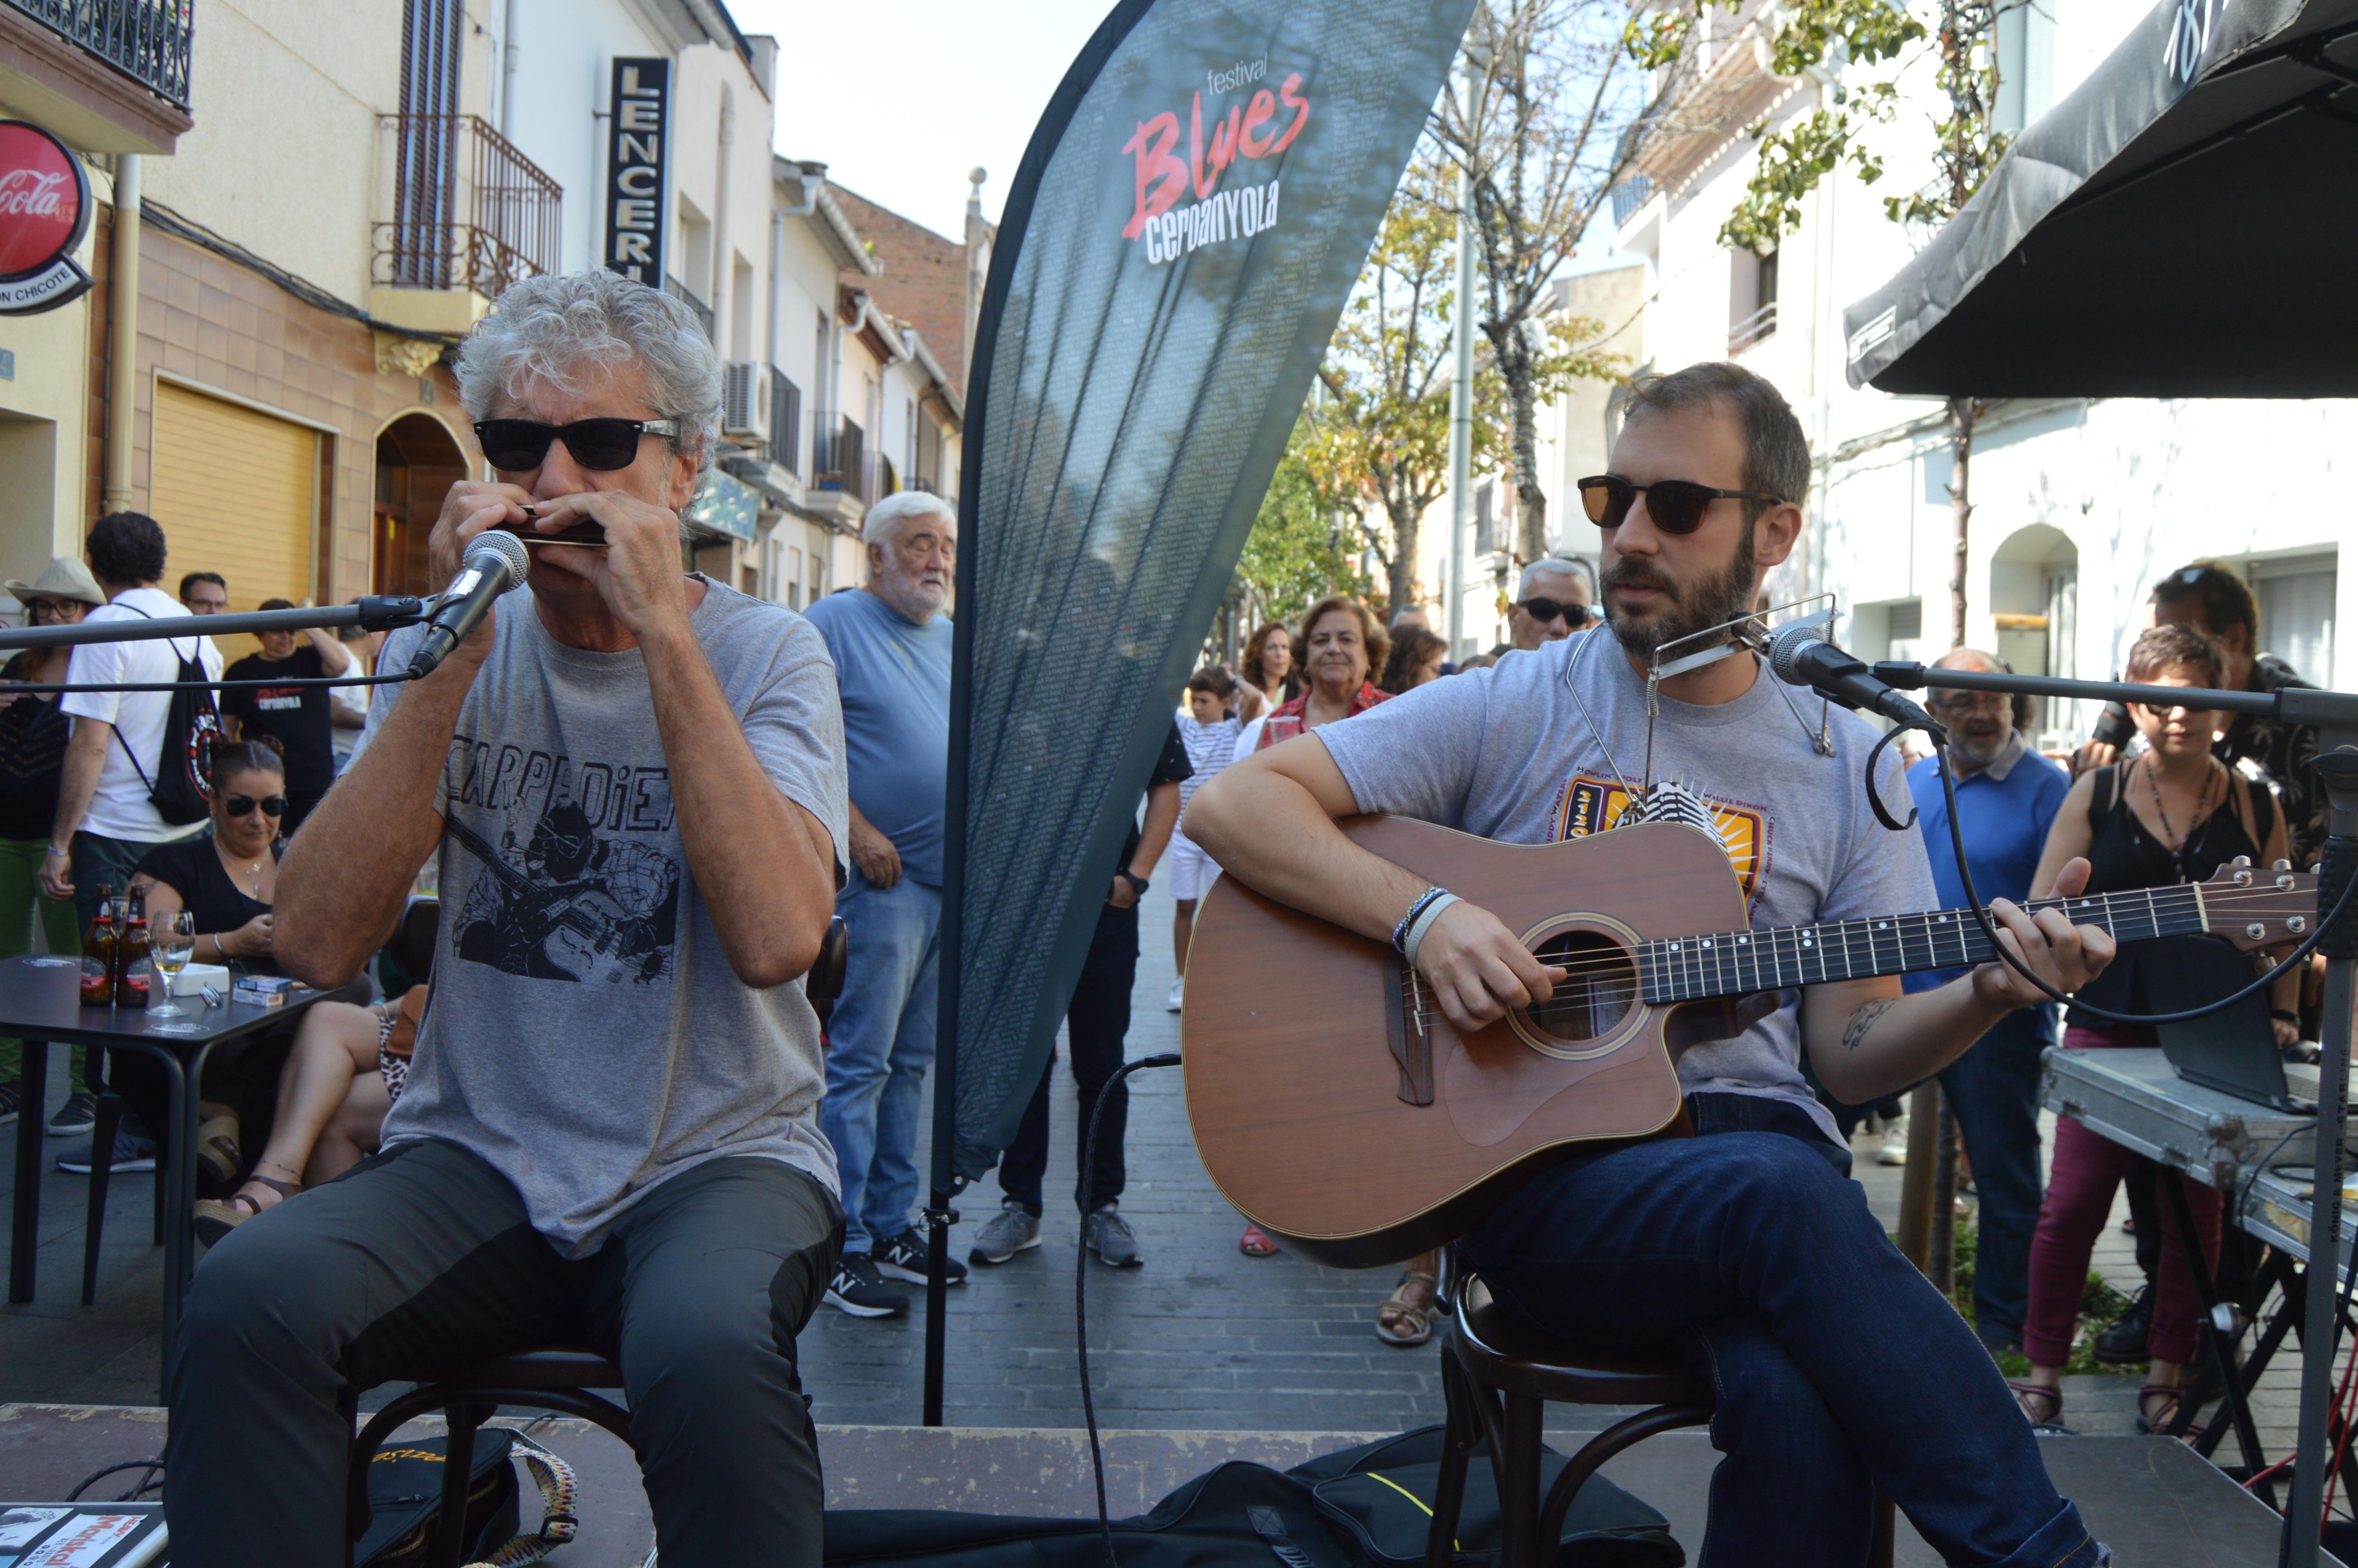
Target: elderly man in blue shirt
(2006,797)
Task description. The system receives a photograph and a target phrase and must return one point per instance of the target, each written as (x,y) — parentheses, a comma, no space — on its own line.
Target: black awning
(2184,225)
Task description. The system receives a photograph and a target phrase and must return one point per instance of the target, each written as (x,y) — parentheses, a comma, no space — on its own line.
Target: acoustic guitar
(1336,1107)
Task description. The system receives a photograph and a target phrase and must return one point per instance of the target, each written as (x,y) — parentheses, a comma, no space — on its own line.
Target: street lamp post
(1461,377)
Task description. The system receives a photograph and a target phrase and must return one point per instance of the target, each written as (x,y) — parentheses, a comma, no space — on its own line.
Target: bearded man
(2007,795)
(1836,1367)
(892,647)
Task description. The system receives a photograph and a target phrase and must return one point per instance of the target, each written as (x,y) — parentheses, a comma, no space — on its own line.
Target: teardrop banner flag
(1188,220)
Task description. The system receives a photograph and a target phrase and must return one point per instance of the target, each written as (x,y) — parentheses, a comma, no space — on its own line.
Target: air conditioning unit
(745,400)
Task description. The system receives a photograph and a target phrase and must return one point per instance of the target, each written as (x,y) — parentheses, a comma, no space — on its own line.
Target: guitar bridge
(1407,1020)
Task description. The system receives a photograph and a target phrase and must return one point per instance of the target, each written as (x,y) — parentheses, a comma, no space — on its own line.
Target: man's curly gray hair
(551,329)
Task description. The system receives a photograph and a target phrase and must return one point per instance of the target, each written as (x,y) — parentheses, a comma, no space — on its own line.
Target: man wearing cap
(33,730)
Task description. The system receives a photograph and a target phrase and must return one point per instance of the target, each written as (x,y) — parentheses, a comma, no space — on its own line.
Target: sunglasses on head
(516,445)
(1676,505)
(244,804)
(1574,615)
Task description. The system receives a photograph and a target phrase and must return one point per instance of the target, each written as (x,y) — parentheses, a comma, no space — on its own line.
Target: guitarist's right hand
(1478,968)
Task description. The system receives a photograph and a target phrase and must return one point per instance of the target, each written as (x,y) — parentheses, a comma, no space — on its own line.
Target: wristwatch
(1133,878)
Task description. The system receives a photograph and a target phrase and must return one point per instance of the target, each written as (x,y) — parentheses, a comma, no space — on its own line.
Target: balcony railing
(839,456)
(785,422)
(147,40)
(469,210)
(686,297)
(1756,327)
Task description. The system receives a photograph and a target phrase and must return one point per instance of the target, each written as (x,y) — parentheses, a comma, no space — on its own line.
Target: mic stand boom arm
(2335,714)
(377,612)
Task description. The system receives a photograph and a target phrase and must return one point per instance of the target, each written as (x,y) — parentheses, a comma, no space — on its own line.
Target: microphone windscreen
(1785,652)
(495,551)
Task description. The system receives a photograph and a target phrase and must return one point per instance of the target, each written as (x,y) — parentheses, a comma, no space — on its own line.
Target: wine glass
(174,942)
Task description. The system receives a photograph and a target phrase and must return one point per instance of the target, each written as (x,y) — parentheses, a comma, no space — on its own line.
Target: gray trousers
(422,1260)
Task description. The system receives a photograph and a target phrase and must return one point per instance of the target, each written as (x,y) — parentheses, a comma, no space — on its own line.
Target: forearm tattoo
(1862,1020)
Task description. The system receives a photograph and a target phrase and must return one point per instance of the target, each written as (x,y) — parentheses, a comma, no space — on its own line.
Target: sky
(900,98)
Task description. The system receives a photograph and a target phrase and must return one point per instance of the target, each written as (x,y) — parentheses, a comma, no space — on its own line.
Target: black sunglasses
(1574,615)
(244,804)
(53,606)
(516,445)
(1676,505)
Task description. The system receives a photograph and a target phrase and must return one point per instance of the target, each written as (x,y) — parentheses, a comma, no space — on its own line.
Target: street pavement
(1199,1339)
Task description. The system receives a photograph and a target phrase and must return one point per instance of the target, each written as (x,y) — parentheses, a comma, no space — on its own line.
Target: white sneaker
(1178,993)
(1895,1144)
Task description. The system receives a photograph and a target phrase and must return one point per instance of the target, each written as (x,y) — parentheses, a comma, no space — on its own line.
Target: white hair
(550,329)
(1558,566)
(884,519)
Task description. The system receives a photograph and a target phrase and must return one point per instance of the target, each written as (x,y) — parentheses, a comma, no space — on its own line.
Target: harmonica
(588,534)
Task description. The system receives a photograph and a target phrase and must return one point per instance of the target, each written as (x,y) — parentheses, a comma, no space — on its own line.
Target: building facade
(2079,504)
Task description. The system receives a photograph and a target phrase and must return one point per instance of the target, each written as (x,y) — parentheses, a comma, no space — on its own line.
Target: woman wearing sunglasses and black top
(226,877)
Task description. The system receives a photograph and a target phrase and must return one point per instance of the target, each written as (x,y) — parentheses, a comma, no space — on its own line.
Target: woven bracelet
(1399,932)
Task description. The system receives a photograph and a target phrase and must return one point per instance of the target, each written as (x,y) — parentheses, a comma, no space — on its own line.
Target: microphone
(495,563)
(1800,655)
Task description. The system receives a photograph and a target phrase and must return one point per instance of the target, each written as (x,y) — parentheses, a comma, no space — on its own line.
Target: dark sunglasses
(1574,615)
(1676,505)
(244,804)
(515,445)
(53,606)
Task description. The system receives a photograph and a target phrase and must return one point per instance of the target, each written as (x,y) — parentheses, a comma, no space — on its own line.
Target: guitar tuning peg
(2241,861)
(2281,866)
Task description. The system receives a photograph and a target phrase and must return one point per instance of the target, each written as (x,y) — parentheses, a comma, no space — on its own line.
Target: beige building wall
(45,414)
(286,155)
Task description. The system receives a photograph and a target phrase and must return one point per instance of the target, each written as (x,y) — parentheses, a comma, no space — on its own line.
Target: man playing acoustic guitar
(1834,1362)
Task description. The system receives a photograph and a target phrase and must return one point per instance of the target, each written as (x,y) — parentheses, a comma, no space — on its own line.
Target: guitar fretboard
(1727,963)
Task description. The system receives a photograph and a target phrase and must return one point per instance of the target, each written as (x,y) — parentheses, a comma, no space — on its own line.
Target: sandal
(2157,1405)
(2028,1394)
(1411,1320)
(214,1219)
(216,1148)
(1253,1244)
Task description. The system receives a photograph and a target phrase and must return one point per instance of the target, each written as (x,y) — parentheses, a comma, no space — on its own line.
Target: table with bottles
(42,1001)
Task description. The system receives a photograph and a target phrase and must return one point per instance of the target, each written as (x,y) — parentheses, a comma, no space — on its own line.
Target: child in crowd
(1209,729)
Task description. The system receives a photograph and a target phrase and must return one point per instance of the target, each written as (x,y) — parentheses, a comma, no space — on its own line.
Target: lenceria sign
(43,213)
(636,198)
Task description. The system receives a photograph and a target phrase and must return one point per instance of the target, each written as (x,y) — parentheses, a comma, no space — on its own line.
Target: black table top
(40,998)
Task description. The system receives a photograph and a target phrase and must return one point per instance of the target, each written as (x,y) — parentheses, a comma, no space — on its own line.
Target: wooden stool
(551,1379)
(1498,1373)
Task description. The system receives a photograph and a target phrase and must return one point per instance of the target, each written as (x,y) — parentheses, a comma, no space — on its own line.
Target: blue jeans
(1834,1362)
(1994,1088)
(879,1044)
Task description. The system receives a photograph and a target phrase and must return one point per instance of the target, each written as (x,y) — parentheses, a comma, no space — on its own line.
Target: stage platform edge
(2155,1503)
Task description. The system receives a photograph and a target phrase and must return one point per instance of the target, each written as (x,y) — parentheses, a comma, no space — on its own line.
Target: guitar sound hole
(1596,992)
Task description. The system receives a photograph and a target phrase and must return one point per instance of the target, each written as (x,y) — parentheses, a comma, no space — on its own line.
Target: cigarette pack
(262,990)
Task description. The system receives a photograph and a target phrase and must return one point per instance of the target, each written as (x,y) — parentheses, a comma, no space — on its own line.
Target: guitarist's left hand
(2065,956)
(1478,968)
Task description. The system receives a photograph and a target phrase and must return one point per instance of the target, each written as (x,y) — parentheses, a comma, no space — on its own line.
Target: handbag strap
(559,1518)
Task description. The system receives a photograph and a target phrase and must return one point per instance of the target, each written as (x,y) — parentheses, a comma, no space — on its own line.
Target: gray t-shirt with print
(585,1033)
(1505,753)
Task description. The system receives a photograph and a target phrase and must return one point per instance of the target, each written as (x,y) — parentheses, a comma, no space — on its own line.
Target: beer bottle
(134,979)
(97,953)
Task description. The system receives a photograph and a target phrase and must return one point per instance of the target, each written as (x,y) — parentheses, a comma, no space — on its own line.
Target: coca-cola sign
(43,213)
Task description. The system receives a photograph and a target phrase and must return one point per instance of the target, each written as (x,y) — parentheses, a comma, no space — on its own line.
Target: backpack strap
(2100,798)
(559,1516)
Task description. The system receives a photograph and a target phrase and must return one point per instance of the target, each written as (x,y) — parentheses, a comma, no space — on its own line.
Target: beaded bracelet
(1399,932)
(1425,925)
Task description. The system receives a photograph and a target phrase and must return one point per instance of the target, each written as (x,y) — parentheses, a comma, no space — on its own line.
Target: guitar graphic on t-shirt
(575,926)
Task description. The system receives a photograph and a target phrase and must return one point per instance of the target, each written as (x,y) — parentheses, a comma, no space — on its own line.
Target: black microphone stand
(377,612)
(2335,714)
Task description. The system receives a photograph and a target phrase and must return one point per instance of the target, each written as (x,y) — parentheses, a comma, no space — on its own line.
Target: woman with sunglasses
(2174,814)
(33,732)
(227,881)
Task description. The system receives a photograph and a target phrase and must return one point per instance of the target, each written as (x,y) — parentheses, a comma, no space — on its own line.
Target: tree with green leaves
(1822,37)
(1539,135)
(1306,544)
